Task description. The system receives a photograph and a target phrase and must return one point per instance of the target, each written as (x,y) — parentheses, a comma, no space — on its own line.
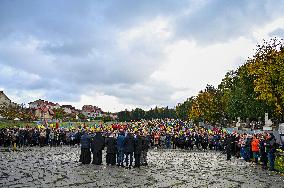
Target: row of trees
(139,113)
(255,88)
(250,91)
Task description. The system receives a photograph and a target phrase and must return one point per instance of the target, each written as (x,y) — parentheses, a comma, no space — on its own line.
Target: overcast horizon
(119,54)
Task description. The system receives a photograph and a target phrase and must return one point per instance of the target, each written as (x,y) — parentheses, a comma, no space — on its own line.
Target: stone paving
(59,167)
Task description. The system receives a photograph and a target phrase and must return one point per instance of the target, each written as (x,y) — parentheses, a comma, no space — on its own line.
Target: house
(91,111)
(39,103)
(4,100)
(68,109)
(43,110)
(43,113)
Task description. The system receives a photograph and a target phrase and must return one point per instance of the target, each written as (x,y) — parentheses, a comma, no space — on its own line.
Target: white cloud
(106,102)
(264,31)
(128,54)
(192,67)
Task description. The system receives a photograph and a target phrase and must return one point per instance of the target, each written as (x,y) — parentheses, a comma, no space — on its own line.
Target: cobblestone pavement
(59,167)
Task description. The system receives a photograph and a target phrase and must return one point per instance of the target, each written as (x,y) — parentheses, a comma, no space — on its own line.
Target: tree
(59,113)
(10,111)
(267,68)
(238,98)
(82,117)
(182,109)
(206,106)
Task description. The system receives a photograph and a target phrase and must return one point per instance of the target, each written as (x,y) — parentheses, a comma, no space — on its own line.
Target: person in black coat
(85,156)
(111,151)
(129,149)
(263,153)
(229,144)
(97,145)
(137,149)
(145,147)
(197,140)
(271,149)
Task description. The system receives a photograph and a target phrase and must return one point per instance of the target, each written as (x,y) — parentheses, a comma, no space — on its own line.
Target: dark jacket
(262,148)
(229,142)
(138,145)
(271,146)
(111,145)
(145,143)
(85,141)
(129,144)
(98,142)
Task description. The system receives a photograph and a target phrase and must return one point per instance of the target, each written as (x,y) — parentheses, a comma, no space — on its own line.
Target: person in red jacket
(255,148)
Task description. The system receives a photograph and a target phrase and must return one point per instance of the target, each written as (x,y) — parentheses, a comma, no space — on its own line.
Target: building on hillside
(4,100)
(91,111)
(43,110)
(40,103)
(68,109)
(43,113)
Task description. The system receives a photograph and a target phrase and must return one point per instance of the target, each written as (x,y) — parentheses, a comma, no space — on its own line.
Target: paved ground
(58,167)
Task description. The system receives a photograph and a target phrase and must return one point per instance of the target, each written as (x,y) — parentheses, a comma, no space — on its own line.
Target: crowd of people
(127,144)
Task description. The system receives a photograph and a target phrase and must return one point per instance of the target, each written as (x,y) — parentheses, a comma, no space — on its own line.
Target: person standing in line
(97,145)
(229,144)
(168,140)
(85,156)
(51,138)
(137,149)
(271,149)
(42,138)
(145,147)
(120,148)
(255,148)
(111,151)
(263,154)
(129,149)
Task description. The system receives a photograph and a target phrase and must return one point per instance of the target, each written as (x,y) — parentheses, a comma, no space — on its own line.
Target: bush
(279,161)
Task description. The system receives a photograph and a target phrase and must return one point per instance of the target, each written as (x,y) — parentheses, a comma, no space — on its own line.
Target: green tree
(182,109)
(10,111)
(267,69)
(59,113)
(206,106)
(82,117)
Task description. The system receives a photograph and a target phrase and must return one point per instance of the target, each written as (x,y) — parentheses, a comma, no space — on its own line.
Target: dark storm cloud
(220,21)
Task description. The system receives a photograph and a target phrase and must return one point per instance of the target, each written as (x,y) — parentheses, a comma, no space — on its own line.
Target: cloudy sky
(121,54)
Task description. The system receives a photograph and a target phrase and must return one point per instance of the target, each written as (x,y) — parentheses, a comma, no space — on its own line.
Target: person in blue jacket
(120,148)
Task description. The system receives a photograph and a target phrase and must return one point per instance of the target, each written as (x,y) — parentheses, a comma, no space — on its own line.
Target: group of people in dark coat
(121,148)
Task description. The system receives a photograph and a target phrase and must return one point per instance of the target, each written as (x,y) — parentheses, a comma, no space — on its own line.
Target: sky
(119,54)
